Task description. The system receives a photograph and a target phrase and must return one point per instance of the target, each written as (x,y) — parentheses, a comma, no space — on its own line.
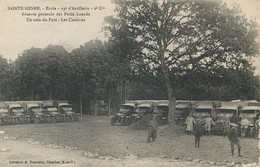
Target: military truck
(161,110)
(16,110)
(202,109)
(5,118)
(183,109)
(52,112)
(144,108)
(124,115)
(66,110)
(225,111)
(228,110)
(250,113)
(35,112)
(103,109)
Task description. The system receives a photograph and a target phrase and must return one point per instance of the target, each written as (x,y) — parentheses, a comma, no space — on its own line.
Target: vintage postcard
(129,83)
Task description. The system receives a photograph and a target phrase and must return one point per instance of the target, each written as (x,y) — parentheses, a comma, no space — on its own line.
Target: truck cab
(183,109)
(65,109)
(202,109)
(250,113)
(123,116)
(5,117)
(161,110)
(52,112)
(16,110)
(36,113)
(142,110)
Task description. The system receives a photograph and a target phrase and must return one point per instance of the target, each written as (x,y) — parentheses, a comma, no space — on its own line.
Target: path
(16,153)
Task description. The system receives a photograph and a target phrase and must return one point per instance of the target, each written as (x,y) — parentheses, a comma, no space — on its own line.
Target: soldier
(189,124)
(208,123)
(153,126)
(244,126)
(257,127)
(226,126)
(197,133)
(232,136)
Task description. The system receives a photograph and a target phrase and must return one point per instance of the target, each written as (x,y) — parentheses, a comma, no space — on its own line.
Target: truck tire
(48,119)
(252,130)
(1,122)
(28,120)
(112,121)
(13,121)
(53,120)
(36,120)
(76,118)
(16,120)
(68,118)
(123,121)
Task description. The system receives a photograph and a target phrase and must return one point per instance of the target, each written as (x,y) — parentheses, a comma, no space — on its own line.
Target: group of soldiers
(196,128)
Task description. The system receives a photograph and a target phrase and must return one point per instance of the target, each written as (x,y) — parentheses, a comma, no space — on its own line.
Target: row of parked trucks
(133,110)
(14,112)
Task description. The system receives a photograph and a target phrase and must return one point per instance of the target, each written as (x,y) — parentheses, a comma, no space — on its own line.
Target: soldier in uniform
(226,126)
(197,133)
(208,123)
(232,136)
(189,124)
(257,127)
(152,132)
(244,126)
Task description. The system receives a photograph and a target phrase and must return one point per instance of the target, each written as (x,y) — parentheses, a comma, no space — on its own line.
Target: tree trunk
(172,105)
(81,106)
(165,70)
(95,105)
(109,99)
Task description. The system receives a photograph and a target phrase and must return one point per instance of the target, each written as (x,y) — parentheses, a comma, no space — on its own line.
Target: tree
(4,81)
(124,50)
(41,73)
(180,36)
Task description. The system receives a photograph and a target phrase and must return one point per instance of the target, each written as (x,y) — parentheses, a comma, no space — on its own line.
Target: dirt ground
(93,139)
(23,154)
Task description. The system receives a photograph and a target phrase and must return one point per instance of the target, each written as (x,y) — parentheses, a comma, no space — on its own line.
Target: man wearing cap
(152,132)
(208,123)
(257,127)
(232,136)
(226,126)
(197,133)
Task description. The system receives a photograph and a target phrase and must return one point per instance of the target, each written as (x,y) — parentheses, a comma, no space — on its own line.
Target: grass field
(96,135)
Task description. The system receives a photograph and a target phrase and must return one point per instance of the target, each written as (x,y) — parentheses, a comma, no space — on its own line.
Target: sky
(17,35)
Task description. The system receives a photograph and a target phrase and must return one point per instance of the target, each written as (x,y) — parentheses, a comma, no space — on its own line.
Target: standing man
(244,126)
(197,133)
(189,124)
(208,123)
(257,127)
(232,136)
(226,126)
(152,132)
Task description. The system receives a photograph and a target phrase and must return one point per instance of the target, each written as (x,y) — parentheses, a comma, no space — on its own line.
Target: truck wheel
(48,120)
(181,123)
(1,122)
(252,132)
(68,118)
(36,120)
(28,120)
(112,121)
(53,120)
(13,121)
(123,121)
(76,118)
(16,120)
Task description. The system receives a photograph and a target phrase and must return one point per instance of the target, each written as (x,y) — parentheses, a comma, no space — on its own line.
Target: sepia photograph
(129,83)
